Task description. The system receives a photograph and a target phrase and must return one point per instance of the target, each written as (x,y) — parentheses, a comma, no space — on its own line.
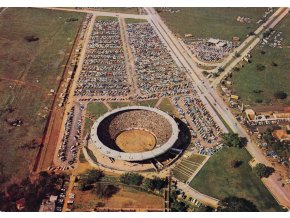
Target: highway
(211,98)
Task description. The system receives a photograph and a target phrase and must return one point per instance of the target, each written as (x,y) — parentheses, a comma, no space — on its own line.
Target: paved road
(72,100)
(205,199)
(102,13)
(211,98)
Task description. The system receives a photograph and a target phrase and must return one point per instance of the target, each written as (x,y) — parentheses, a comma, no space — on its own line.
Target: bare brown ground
(125,198)
(134,141)
(54,131)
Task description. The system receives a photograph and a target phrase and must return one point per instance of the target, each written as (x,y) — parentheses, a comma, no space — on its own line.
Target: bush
(280,95)
(262,170)
(131,179)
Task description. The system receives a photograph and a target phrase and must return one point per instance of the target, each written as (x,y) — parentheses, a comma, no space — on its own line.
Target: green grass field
(218,179)
(96,109)
(88,125)
(212,22)
(105,18)
(28,70)
(150,103)
(115,105)
(270,80)
(166,106)
(119,10)
(132,20)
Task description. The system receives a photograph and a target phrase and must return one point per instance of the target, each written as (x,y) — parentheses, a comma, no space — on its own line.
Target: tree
(262,170)
(154,184)
(260,67)
(179,206)
(236,163)
(148,184)
(220,69)
(131,179)
(159,183)
(280,95)
(89,178)
(104,190)
(237,54)
(235,204)
(233,140)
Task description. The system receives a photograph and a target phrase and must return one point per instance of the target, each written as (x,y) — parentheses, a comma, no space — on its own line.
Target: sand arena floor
(135,140)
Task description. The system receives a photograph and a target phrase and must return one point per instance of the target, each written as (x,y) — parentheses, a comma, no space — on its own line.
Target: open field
(166,106)
(93,112)
(119,10)
(28,70)
(187,167)
(88,125)
(150,103)
(132,20)
(105,18)
(272,78)
(96,109)
(212,22)
(218,179)
(126,197)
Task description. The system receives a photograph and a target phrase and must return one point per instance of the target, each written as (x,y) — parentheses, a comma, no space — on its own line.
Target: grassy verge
(166,106)
(96,109)
(133,20)
(105,18)
(119,10)
(218,179)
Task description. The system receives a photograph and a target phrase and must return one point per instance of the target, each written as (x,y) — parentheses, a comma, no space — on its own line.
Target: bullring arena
(132,136)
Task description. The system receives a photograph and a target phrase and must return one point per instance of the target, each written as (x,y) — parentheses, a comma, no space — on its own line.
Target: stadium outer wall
(141,156)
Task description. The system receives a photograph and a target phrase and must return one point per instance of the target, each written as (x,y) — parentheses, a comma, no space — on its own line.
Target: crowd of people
(68,148)
(103,72)
(156,70)
(209,52)
(136,119)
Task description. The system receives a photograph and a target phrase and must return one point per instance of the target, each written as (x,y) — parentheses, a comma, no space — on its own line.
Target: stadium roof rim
(135,156)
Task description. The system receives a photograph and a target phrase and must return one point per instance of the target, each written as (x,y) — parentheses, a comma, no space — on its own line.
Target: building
(48,205)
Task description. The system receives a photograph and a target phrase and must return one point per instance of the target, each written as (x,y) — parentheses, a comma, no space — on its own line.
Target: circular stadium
(134,133)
